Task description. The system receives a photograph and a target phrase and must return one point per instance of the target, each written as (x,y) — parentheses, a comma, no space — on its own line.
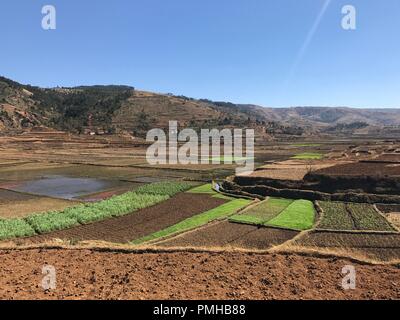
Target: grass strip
(308,156)
(299,215)
(196,221)
(206,188)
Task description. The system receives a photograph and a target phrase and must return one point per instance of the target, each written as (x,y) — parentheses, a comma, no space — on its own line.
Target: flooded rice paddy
(65,187)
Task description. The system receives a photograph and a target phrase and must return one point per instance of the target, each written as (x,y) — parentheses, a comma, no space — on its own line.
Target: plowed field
(89,274)
(228,234)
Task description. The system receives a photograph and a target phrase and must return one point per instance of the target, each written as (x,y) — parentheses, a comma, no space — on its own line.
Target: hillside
(110,109)
(123,109)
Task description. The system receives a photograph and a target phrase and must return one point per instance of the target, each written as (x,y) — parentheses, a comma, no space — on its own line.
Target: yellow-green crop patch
(263,212)
(308,156)
(206,188)
(299,215)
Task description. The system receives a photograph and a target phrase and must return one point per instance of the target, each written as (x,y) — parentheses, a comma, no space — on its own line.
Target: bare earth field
(363,168)
(88,274)
(227,234)
(290,169)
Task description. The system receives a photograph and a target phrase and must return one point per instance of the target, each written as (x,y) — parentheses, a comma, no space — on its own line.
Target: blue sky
(244,51)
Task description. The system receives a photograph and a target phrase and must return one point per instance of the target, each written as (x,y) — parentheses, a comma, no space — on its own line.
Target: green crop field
(366,217)
(335,216)
(14,228)
(206,188)
(222,211)
(308,156)
(126,203)
(263,212)
(299,215)
(352,216)
(166,188)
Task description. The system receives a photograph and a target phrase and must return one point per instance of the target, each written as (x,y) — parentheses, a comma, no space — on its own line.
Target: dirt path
(87,274)
(354,223)
(138,224)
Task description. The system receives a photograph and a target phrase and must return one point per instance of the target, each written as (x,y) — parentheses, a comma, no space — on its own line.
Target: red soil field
(388,208)
(138,224)
(361,168)
(227,234)
(90,274)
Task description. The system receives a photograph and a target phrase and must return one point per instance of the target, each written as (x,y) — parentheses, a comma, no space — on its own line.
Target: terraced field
(116,206)
(299,215)
(377,246)
(138,224)
(18,205)
(225,234)
(282,213)
(352,216)
(308,156)
(335,216)
(198,220)
(388,208)
(263,212)
(361,169)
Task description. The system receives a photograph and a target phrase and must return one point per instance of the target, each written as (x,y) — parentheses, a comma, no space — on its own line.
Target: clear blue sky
(243,51)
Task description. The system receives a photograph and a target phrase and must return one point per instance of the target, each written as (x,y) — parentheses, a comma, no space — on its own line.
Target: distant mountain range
(124,109)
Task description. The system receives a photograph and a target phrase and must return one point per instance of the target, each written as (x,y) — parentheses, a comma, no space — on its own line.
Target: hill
(113,109)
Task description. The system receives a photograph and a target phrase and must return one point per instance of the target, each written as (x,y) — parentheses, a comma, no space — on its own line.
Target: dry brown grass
(284,249)
(291,169)
(25,208)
